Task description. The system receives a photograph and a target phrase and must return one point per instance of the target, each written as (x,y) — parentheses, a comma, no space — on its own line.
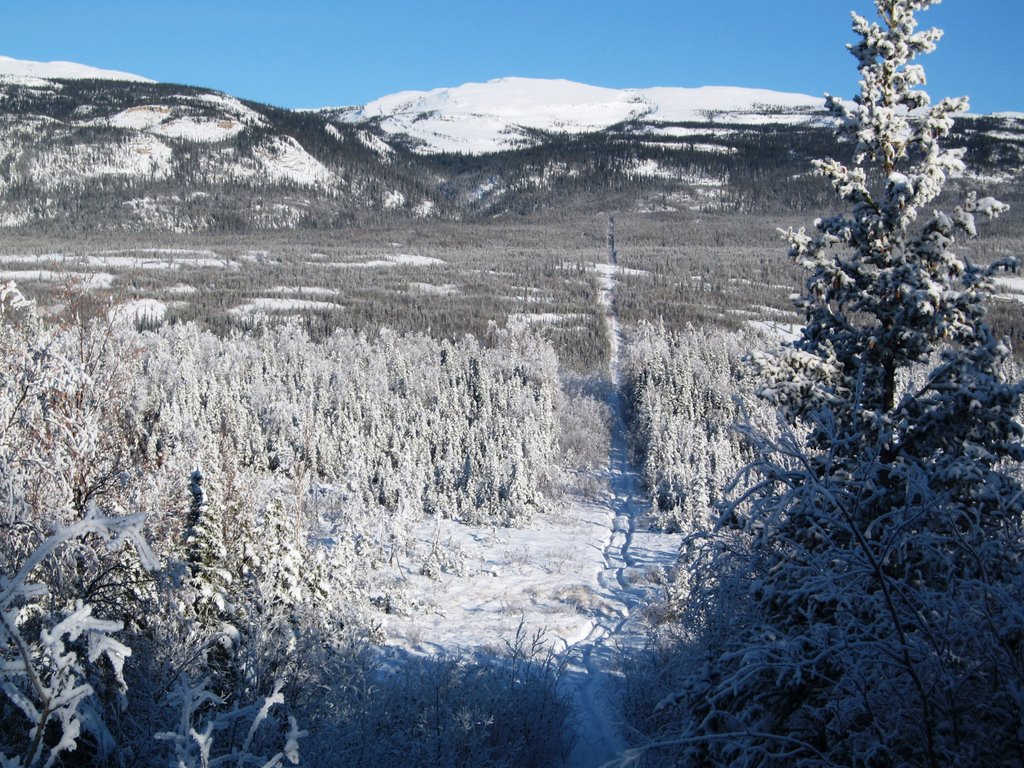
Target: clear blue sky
(309,53)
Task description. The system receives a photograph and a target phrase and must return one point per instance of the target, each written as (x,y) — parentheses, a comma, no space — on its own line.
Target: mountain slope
(88,152)
(506,113)
(62,70)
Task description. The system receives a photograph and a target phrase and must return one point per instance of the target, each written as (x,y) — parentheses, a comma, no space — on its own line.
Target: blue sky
(309,53)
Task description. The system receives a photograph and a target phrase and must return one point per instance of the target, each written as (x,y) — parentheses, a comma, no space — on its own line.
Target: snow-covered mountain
(62,70)
(87,148)
(503,114)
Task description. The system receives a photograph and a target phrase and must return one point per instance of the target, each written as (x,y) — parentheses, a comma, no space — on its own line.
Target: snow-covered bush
(72,564)
(53,658)
(863,604)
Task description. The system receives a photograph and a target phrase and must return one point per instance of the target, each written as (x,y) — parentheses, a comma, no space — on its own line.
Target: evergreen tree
(207,557)
(863,604)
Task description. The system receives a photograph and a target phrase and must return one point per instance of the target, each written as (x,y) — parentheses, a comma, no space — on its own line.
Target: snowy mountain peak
(62,70)
(497,115)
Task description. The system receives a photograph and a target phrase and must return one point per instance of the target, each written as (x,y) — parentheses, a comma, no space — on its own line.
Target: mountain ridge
(95,153)
(63,70)
(478,118)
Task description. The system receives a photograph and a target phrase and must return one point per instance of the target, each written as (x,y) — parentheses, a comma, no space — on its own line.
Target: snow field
(545,575)
(88,280)
(62,70)
(282,305)
(487,117)
(393,260)
(147,259)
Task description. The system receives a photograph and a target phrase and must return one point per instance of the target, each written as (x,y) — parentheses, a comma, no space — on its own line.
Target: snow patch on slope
(140,118)
(200,130)
(142,155)
(374,143)
(62,70)
(177,122)
(500,114)
(282,158)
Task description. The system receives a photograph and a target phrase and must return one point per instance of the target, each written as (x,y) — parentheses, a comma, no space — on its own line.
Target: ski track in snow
(583,573)
(627,560)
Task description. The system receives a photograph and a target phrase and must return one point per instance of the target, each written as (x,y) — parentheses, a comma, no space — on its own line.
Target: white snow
(281,305)
(424,209)
(777,330)
(181,290)
(130,312)
(140,118)
(374,143)
(178,122)
(393,260)
(141,258)
(393,199)
(231,106)
(583,574)
(531,318)
(282,158)
(1012,282)
(447,289)
(488,117)
(15,218)
(141,155)
(608,271)
(199,130)
(88,280)
(650,169)
(283,290)
(62,70)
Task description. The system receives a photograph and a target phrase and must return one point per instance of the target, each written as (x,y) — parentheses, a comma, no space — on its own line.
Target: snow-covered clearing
(531,318)
(282,305)
(393,260)
(200,130)
(1010,282)
(305,290)
(141,309)
(87,280)
(779,330)
(445,289)
(142,258)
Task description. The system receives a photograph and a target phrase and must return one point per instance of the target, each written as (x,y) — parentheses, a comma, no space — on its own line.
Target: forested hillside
(115,156)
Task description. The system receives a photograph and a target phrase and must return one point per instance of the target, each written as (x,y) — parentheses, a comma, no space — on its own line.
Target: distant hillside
(86,149)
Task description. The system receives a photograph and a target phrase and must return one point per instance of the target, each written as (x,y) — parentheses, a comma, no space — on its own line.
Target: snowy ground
(581,574)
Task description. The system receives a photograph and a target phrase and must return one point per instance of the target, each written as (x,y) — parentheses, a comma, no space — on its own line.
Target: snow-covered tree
(863,604)
(683,389)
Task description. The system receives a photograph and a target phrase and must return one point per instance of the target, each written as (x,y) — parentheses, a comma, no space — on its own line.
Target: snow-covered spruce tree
(863,603)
